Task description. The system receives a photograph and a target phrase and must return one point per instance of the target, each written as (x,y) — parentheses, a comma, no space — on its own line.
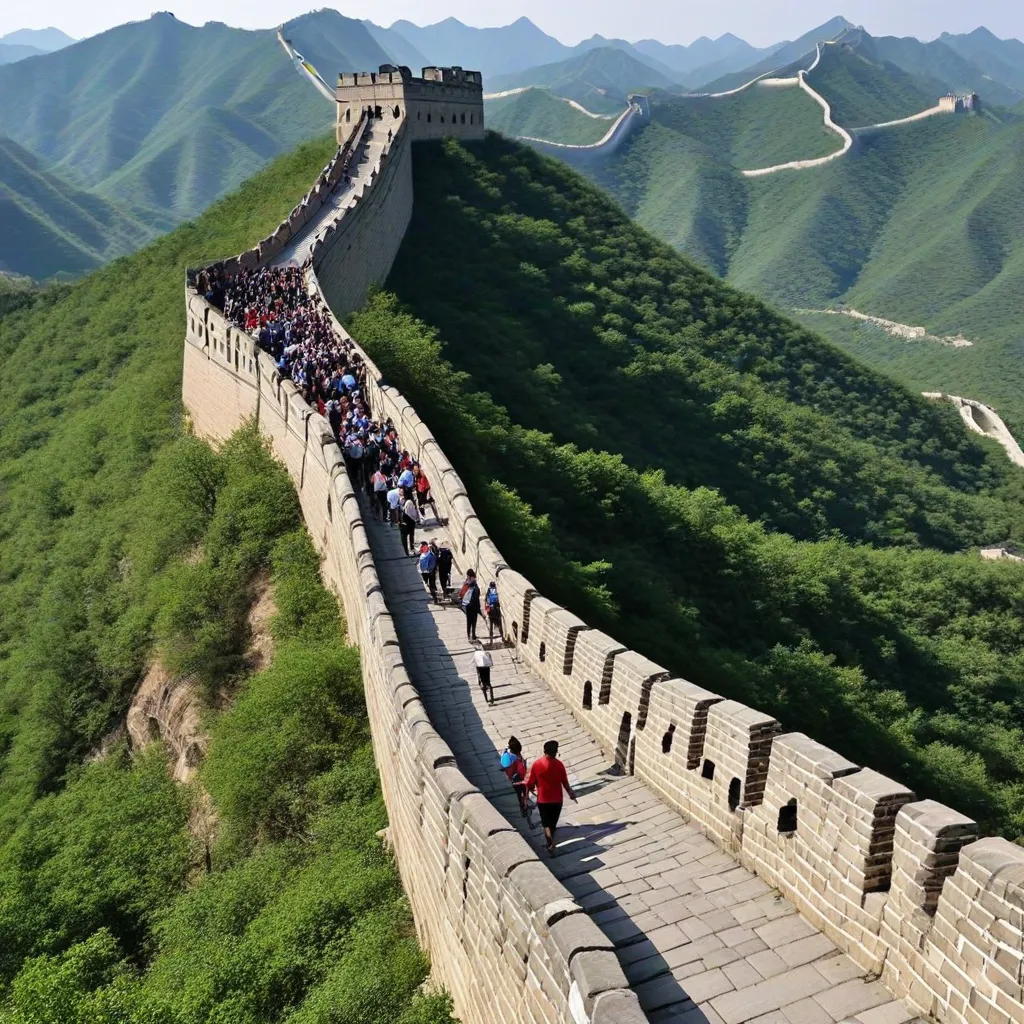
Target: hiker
(380,495)
(444,568)
(492,609)
(394,499)
(469,597)
(548,778)
(407,524)
(422,488)
(428,569)
(483,663)
(513,764)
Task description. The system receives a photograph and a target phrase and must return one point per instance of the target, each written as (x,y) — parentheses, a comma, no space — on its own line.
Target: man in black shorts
(548,777)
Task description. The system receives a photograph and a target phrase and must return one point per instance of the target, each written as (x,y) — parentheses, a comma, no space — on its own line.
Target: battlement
(441,102)
(904,886)
(953,104)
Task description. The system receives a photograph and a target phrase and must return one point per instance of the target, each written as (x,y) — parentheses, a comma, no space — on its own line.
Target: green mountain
(1000,59)
(125,896)
(494,51)
(397,47)
(727,53)
(940,63)
(538,114)
(707,481)
(919,224)
(333,43)
(598,79)
(51,227)
(44,39)
(160,115)
(10,53)
(719,78)
(680,175)
(863,89)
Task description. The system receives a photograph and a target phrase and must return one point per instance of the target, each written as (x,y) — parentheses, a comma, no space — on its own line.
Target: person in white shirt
(483,662)
(394,504)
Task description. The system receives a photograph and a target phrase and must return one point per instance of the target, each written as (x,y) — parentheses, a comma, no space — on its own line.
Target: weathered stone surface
(895,884)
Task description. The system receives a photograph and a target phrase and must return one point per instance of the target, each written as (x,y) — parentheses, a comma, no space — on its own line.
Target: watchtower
(444,101)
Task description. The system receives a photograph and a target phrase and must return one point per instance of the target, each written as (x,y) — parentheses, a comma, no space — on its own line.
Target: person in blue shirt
(406,479)
(428,569)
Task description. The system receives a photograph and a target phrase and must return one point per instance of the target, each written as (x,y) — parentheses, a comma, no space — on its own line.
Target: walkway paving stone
(701,939)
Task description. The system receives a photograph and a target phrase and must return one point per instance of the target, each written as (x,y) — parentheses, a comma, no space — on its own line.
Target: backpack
(466,593)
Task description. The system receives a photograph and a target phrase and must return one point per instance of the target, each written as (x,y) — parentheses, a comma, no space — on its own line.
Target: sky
(760,22)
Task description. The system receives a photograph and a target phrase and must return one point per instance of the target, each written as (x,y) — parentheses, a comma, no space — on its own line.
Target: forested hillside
(599,79)
(124,541)
(51,227)
(161,116)
(918,224)
(539,114)
(709,482)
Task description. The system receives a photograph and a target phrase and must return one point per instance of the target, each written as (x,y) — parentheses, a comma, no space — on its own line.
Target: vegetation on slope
(919,224)
(125,540)
(709,482)
(538,114)
(757,128)
(159,115)
(50,227)
(861,90)
(599,79)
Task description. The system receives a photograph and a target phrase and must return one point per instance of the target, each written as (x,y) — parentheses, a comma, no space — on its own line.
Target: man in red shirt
(547,776)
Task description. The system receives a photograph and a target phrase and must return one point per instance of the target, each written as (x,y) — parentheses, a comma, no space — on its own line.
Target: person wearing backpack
(428,569)
(492,609)
(469,597)
(513,764)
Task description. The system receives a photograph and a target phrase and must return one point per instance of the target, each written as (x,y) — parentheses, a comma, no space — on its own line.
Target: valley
(696,365)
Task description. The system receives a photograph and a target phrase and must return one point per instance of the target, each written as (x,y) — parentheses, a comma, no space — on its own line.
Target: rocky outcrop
(167,708)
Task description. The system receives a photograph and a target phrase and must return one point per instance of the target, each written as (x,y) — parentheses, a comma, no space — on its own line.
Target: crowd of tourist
(290,323)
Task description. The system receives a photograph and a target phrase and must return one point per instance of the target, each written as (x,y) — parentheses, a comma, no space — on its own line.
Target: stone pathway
(296,252)
(699,937)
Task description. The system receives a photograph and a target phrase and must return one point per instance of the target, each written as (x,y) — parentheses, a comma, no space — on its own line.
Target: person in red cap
(547,776)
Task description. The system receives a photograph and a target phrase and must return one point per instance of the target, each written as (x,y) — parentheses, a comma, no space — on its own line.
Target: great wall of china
(729,872)
(638,111)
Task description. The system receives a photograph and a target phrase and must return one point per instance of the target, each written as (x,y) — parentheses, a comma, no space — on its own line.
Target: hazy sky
(673,21)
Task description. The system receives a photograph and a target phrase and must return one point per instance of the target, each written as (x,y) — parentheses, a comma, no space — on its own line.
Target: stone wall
(625,126)
(503,934)
(902,885)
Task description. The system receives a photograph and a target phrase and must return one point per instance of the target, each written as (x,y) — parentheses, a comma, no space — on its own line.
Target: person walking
(422,489)
(444,568)
(428,569)
(513,764)
(394,500)
(407,525)
(492,609)
(483,663)
(469,596)
(548,777)
(380,494)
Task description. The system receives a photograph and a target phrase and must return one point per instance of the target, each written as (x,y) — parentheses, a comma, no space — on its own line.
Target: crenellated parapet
(903,885)
(439,103)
